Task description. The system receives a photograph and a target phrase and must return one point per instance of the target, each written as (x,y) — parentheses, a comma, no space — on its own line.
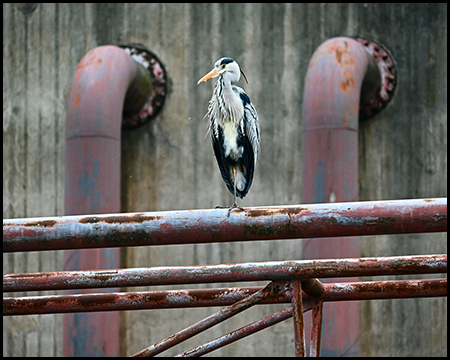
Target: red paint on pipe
(93,131)
(259,271)
(331,101)
(316,328)
(271,290)
(241,332)
(297,315)
(393,289)
(206,226)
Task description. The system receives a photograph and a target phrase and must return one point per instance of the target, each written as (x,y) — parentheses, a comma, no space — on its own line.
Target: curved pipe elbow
(340,76)
(335,78)
(103,79)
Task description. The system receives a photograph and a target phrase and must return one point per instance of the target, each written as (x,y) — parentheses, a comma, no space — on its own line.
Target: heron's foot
(230,208)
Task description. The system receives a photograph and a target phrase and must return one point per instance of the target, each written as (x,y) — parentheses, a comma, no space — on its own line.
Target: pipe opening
(138,108)
(386,66)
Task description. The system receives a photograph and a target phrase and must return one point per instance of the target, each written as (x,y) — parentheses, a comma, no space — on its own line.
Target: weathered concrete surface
(169,164)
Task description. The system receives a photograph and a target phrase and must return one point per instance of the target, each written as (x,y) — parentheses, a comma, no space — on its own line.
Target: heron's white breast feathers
(232,114)
(230,135)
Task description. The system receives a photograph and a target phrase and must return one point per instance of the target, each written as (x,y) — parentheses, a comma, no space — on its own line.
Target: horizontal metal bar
(258,271)
(133,300)
(392,289)
(206,226)
(378,290)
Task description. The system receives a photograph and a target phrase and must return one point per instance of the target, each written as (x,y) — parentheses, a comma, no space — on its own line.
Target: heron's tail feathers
(240,180)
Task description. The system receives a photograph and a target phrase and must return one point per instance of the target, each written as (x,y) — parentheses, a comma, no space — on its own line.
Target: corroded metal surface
(288,278)
(389,78)
(273,289)
(215,297)
(272,270)
(297,315)
(316,328)
(205,226)
(242,332)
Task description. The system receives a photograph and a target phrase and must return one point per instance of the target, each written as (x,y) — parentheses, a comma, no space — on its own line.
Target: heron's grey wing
(250,123)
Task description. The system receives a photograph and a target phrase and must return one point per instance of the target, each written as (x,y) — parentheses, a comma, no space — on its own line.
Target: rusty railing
(293,282)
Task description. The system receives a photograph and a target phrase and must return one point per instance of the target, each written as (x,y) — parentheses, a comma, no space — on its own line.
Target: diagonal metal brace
(272,289)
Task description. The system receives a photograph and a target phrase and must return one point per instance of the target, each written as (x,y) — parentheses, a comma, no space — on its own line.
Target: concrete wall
(169,164)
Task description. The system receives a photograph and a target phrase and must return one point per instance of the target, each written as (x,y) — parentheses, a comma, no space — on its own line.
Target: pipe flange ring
(159,86)
(389,78)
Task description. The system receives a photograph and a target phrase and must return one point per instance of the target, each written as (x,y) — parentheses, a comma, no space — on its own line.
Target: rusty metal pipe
(133,300)
(270,290)
(258,271)
(107,84)
(316,328)
(241,332)
(103,79)
(297,315)
(392,289)
(331,102)
(346,80)
(205,226)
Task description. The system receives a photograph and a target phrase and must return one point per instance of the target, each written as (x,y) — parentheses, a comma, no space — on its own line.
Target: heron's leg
(235,204)
(234,188)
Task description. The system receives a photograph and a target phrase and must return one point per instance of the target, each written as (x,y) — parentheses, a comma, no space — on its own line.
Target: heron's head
(226,66)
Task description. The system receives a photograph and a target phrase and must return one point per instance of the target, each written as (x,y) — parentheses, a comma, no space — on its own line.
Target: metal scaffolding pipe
(107,85)
(206,226)
(103,80)
(240,333)
(370,290)
(346,80)
(273,289)
(258,271)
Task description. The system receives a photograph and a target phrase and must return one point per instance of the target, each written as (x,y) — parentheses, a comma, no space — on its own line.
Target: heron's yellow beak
(213,73)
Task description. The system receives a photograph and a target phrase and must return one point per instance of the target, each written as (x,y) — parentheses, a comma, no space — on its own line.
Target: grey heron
(234,128)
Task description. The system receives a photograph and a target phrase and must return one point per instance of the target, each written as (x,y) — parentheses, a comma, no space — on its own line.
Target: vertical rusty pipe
(331,102)
(103,79)
(316,328)
(298,317)
(338,71)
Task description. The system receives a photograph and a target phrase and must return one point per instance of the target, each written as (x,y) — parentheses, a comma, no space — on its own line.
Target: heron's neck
(229,104)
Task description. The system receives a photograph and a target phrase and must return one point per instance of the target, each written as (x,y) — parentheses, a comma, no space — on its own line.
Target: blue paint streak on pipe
(88,182)
(319,181)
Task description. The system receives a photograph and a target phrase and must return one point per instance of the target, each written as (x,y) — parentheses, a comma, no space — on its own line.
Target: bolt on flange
(389,78)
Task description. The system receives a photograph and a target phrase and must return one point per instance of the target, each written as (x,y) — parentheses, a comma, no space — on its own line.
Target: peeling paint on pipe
(273,289)
(331,103)
(342,78)
(106,81)
(206,226)
(259,271)
(371,290)
(103,79)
